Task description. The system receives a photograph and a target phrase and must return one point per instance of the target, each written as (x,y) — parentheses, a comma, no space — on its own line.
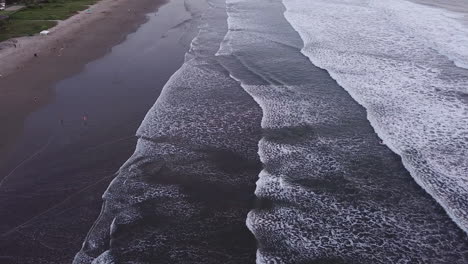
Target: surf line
(42,149)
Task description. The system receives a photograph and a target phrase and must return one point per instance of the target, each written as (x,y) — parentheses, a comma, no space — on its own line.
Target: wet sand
(26,80)
(55,165)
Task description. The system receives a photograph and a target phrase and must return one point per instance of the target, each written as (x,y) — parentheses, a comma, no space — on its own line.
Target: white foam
(326,198)
(383,54)
(440,29)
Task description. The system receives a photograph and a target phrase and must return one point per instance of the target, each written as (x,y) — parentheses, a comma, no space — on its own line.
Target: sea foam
(193,170)
(393,57)
(329,191)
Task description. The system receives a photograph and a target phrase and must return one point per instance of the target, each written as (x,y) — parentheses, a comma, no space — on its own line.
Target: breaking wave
(393,57)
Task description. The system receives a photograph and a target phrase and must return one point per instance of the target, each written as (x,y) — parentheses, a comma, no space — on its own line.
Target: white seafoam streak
(394,58)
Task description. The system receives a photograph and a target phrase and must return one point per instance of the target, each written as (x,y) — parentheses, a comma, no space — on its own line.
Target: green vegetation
(53,10)
(5,13)
(37,17)
(19,28)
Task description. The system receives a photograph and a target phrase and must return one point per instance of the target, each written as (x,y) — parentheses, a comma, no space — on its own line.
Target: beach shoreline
(17,54)
(31,65)
(57,171)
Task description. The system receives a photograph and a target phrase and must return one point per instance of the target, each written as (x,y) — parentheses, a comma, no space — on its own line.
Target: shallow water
(184,194)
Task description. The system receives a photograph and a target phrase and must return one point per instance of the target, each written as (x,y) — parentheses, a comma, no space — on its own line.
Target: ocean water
(356,110)
(405,63)
(330,191)
(459,6)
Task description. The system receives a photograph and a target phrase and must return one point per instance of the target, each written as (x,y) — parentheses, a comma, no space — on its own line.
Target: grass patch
(53,10)
(6,13)
(37,17)
(19,28)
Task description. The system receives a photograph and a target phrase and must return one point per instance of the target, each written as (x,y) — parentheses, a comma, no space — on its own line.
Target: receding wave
(184,194)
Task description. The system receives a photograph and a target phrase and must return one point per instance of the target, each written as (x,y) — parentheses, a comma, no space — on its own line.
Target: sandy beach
(26,79)
(52,175)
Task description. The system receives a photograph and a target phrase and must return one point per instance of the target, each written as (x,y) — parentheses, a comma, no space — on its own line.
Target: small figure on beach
(85,119)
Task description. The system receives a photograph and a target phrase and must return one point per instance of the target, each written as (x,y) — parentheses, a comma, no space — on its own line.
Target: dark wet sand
(56,164)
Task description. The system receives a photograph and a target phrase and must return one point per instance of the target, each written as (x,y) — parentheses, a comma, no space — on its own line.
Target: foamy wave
(415,98)
(329,192)
(440,29)
(192,173)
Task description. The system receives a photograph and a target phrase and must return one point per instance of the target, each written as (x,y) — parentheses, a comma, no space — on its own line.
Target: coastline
(26,80)
(77,28)
(56,214)
(330,187)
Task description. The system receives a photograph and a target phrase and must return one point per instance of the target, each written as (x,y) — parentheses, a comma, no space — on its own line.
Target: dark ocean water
(304,131)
